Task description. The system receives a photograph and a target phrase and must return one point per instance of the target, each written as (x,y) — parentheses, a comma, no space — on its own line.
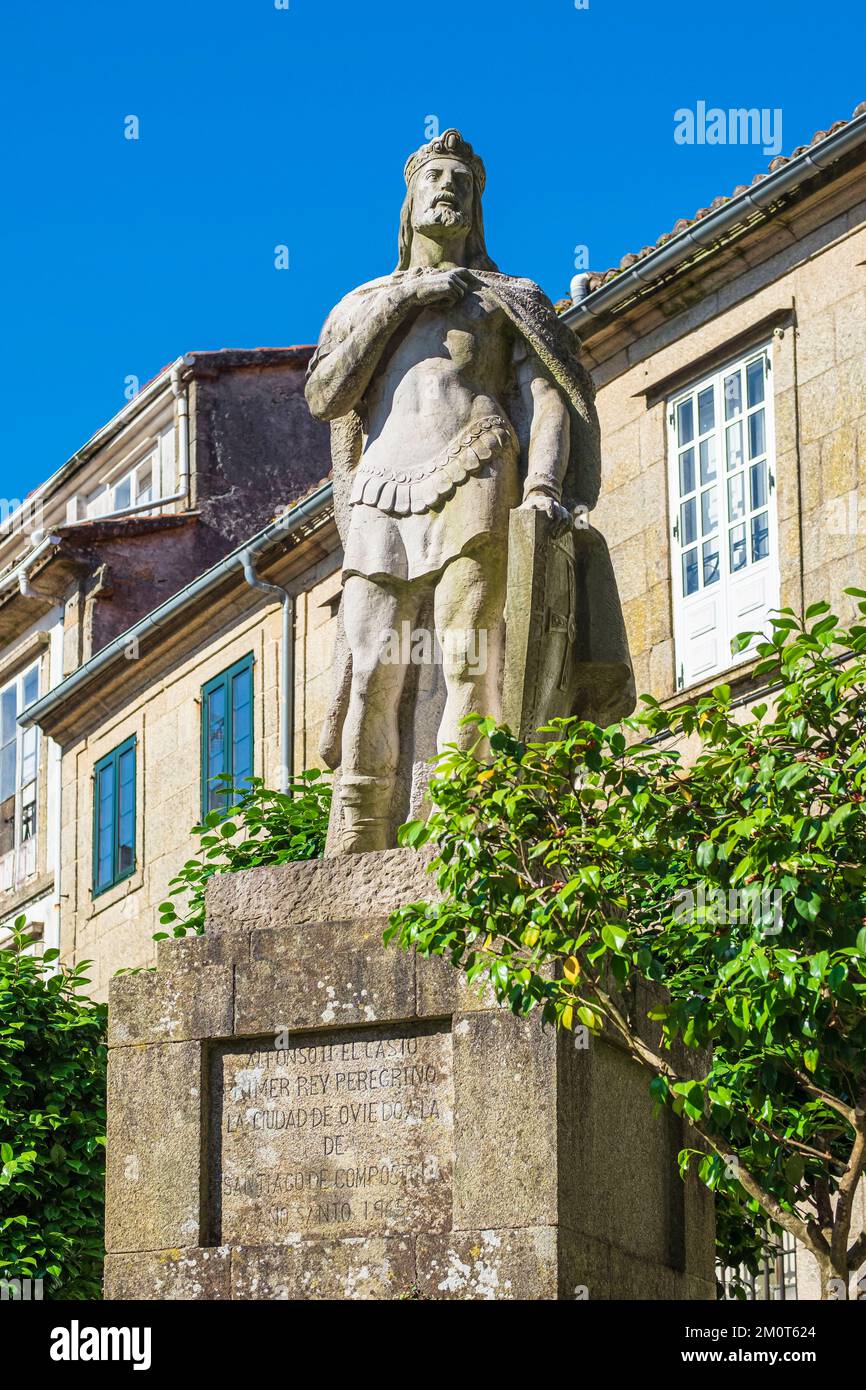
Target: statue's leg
(373,616)
(469,609)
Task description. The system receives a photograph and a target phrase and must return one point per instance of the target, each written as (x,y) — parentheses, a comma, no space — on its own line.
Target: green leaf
(614,937)
(795,1169)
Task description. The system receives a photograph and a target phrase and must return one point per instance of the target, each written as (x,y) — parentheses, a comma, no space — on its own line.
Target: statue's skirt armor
(404,525)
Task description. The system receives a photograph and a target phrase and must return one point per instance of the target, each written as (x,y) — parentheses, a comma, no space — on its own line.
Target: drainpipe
(287,673)
(579,287)
(20,576)
(181,396)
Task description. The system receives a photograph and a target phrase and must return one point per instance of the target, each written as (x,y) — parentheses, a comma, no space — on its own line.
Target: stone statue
(466,457)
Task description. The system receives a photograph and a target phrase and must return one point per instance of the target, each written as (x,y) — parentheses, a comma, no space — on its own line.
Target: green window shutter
(226,733)
(114,816)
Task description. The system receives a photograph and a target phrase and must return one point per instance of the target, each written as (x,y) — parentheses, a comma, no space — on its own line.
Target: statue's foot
(363,837)
(366,802)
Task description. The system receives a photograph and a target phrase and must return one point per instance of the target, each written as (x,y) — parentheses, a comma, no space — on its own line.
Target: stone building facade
(166,488)
(730,363)
(149,693)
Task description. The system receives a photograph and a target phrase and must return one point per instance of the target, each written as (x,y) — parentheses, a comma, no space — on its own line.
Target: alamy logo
(77,1343)
(762,910)
(737,126)
(22,1290)
(20,516)
(457,649)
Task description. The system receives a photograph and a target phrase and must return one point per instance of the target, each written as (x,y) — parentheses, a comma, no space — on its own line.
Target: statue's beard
(441,219)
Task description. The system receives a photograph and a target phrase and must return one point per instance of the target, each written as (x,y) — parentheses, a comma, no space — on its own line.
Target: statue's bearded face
(442,198)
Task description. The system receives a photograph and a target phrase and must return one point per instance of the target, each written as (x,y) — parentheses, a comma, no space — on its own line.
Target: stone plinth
(297,1111)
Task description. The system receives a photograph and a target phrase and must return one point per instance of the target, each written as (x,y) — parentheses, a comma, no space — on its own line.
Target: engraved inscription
(343,1133)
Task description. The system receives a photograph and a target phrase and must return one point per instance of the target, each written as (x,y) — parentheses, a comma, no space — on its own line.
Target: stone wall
(254,442)
(114,930)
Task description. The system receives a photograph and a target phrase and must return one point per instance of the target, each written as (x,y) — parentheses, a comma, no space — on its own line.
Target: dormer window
(150,480)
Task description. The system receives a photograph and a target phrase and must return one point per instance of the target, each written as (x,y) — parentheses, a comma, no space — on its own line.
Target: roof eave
(314,507)
(649,272)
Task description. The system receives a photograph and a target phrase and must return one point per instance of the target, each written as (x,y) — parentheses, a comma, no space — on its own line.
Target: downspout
(287,672)
(181,396)
(20,574)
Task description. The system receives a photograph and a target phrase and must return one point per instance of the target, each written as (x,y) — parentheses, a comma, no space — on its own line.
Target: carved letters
(347,1132)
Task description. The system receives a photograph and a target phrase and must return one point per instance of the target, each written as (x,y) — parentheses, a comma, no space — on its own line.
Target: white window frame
(706,620)
(158,461)
(19,862)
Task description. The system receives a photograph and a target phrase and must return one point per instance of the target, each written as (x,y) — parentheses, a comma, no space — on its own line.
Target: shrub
(52,1123)
(602,854)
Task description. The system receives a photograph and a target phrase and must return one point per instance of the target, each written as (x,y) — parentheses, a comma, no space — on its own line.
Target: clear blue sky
(261,126)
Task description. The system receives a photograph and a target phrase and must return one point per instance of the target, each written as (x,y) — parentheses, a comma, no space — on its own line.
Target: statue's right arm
(340,376)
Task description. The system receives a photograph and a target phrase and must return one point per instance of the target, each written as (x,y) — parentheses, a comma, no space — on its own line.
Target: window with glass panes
(152,478)
(723,524)
(114,817)
(19,768)
(226,733)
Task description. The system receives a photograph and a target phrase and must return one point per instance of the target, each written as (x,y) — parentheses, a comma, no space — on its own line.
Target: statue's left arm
(545,430)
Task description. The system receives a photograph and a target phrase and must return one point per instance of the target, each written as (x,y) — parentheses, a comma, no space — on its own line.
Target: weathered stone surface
(213,948)
(618,1174)
(323,890)
(442,990)
(401,1137)
(152,1189)
(349,1132)
(504,1067)
(171,1007)
(323,974)
(190,1275)
(492,1264)
(359,1268)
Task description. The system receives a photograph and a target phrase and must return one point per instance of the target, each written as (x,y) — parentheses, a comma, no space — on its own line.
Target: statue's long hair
(476,250)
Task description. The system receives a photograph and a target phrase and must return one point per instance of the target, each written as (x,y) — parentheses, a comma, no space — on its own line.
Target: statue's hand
(542,502)
(438,287)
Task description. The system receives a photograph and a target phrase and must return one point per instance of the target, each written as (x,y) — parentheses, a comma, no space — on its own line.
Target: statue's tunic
(392,525)
(405,524)
(408,519)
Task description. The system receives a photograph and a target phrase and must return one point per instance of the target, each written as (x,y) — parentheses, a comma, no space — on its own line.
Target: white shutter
(703,636)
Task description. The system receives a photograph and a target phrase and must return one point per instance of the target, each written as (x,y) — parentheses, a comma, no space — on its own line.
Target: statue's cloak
(536,323)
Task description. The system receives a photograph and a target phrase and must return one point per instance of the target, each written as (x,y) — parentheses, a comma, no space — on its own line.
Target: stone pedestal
(297,1111)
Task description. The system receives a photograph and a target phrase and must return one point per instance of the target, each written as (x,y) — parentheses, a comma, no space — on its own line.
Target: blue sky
(262,126)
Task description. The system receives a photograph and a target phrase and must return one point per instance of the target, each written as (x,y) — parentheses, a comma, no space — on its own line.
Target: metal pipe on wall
(287,668)
(181,396)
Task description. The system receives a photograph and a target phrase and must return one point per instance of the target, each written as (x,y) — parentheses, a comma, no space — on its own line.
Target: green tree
(259,826)
(52,1123)
(733,882)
